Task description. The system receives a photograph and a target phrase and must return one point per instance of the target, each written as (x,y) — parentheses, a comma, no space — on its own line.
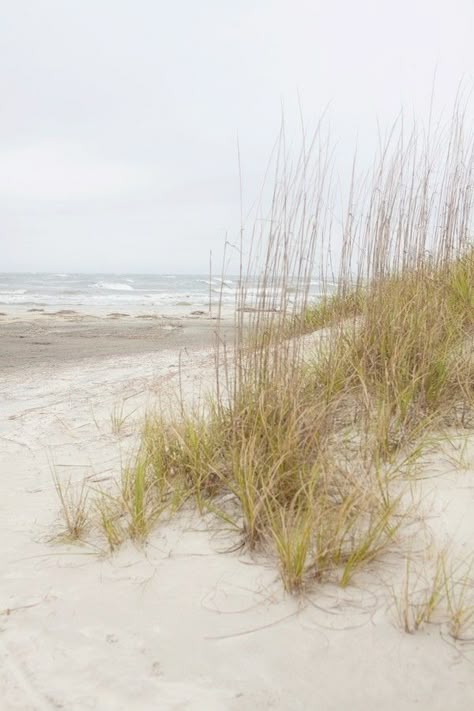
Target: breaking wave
(113,286)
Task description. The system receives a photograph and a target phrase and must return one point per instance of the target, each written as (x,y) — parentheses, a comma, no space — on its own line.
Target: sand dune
(184,623)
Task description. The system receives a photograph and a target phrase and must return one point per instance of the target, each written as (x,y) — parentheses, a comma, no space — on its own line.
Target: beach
(186,621)
(236,356)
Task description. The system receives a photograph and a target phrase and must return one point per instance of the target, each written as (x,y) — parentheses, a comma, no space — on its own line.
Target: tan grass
(302,454)
(440,593)
(74,509)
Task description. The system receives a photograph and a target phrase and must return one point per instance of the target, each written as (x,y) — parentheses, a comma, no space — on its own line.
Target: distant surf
(167,293)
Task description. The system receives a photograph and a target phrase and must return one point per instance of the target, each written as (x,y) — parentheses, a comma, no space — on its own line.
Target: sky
(120,119)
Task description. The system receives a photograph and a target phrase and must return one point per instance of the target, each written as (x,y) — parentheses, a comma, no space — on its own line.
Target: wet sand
(36,337)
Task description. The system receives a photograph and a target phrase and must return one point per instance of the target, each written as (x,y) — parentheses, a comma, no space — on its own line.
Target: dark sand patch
(57,340)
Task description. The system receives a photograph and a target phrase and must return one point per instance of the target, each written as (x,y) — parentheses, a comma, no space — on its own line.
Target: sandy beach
(236,356)
(183,623)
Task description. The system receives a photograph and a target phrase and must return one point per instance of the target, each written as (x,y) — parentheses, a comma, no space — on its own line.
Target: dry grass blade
(74,510)
(443,595)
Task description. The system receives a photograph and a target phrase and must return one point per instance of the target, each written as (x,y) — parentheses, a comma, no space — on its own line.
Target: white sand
(184,624)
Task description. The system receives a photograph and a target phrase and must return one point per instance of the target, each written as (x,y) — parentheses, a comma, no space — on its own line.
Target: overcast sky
(119,118)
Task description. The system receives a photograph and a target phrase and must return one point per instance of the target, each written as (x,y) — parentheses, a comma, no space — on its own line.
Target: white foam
(113,286)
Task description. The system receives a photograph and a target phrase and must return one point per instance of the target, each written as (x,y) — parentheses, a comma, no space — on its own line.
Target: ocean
(164,293)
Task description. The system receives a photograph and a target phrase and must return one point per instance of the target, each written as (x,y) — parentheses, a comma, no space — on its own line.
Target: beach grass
(320,415)
(437,591)
(74,519)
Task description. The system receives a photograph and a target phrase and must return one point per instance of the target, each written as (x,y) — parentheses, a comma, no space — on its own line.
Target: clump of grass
(301,452)
(271,465)
(417,602)
(147,489)
(118,418)
(460,606)
(74,512)
(405,355)
(291,532)
(443,595)
(139,498)
(110,516)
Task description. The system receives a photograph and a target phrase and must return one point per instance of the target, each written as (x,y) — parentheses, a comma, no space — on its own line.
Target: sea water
(172,294)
